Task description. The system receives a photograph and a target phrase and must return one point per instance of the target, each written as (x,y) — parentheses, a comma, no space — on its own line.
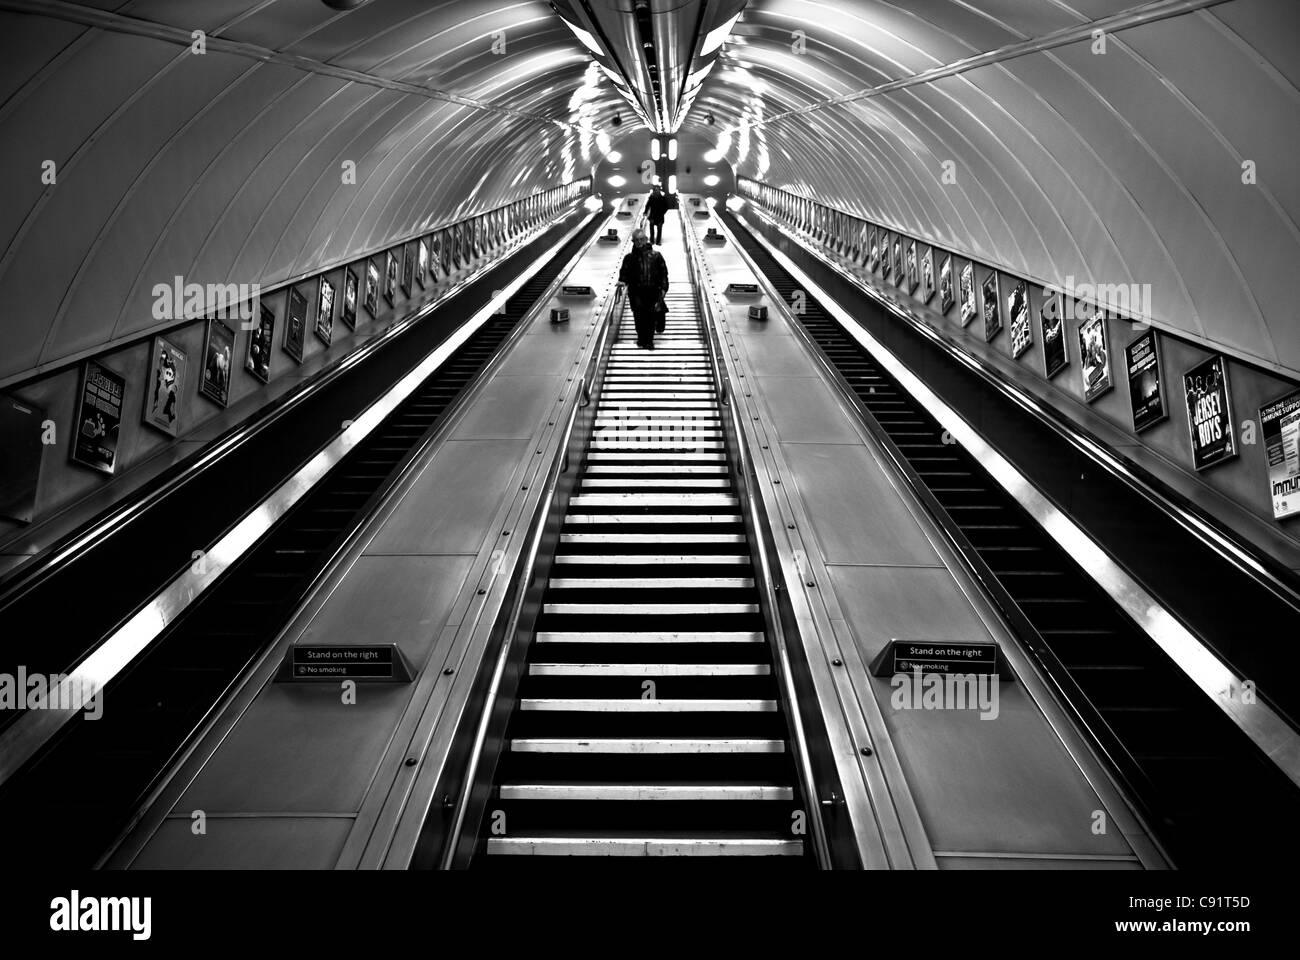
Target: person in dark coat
(655,208)
(645,274)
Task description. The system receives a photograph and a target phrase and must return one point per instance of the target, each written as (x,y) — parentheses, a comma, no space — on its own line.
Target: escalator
(95,774)
(648,726)
(1209,793)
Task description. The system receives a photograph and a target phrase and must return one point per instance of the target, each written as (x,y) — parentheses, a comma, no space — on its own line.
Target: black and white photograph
(1094,355)
(164,387)
(325,311)
(99,417)
(1051,323)
(992,308)
(946,295)
(218,351)
(723,439)
(295,324)
(1022,333)
(968,308)
(1209,413)
(257,353)
(1146,381)
(349,309)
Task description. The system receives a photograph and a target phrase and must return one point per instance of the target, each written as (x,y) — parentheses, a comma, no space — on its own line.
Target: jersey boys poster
(1279,422)
(1209,413)
(1146,381)
(99,417)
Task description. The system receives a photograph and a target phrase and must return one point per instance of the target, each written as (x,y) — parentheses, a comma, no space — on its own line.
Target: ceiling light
(614,156)
(672,149)
(712,180)
(616,181)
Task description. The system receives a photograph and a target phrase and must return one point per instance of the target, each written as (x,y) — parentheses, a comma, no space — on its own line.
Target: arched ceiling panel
(228,167)
(1122,167)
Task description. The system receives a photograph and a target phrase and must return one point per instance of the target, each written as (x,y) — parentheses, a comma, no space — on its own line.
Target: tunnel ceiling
(226,167)
(1117,167)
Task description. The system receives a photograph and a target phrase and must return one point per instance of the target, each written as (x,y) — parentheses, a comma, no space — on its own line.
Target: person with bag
(645,275)
(655,209)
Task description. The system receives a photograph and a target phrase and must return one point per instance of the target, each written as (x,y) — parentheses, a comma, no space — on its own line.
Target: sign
(1146,382)
(1279,422)
(99,417)
(1209,413)
(1051,321)
(576,290)
(939,656)
(1094,357)
(376,661)
(741,288)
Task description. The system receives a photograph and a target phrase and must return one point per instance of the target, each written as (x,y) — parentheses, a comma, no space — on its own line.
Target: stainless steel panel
(1033,863)
(806,411)
(247,843)
(509,408)
(448,509)
(857,514)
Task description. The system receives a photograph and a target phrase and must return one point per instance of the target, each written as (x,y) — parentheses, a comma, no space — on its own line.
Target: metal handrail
(744,468)
(537,530)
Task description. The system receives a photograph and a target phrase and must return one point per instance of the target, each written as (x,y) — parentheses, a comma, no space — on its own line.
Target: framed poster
(992,309)
(422,263)
(390,277)
(900,269)
(1022,334)
(1094,356)
(946,297)
(21,431)
(913,275)
(372,288)
(1146,381)
(295,327)
(873,251)
(1209,413)
(408,269)
(968,308)
(257,358)
(1279,422)
(927,275)
(164,387)
(218,347)
(99,417)
(350,298)
(1051,322)
(325,311)
(887,258)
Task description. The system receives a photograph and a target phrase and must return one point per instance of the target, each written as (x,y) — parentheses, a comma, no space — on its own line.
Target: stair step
(647,745)
(649,670)
(640,792)
(636,705)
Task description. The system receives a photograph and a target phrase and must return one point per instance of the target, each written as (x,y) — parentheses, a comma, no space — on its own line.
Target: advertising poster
(968,309)
(295,326)
(1094,357)
(422,263)
(886,258)
(992,309)
(913,274)
(1146,382)
(444,245)
(164,386)
(873,251)
(257,360)
(218,348)
(927,275)
(1051,320)
(372,288)
(1022,334)
(1279,422)
(99,417)
(900,269)
(350,298)
(390,277)
(1209,413)
(408,269)
(946,296)
(325,312)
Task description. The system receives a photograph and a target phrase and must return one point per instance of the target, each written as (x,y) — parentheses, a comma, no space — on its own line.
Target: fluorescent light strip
(1269,731)
(717,36)
(35,727)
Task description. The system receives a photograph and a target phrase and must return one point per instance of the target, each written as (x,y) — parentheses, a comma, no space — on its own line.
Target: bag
(661,315)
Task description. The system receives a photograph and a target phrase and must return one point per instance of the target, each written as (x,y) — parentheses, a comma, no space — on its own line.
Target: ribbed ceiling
(227,167)
(1122,167)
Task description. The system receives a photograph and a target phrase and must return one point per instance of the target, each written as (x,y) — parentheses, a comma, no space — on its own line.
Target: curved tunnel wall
(227,166)
(1115,167)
